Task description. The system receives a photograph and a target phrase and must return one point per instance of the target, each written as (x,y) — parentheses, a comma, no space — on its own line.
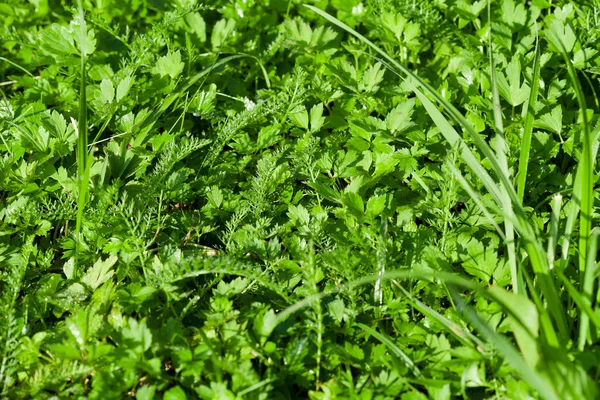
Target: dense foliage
(245,199)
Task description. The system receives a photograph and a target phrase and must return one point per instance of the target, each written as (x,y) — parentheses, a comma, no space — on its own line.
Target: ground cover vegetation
(267,199)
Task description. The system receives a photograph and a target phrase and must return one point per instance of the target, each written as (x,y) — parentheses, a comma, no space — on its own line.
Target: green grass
(336,200)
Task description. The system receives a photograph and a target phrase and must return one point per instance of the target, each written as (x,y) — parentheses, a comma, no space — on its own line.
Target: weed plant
(275,200)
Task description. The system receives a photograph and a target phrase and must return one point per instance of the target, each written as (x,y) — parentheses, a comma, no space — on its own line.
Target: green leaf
(145,392)
(512,90)
(300,118)
(398,119)
(100,272)
(124,87)
(169,64)
(175,393)
(137,335)
(222,31)
(107,91)
(551,121)
(316,117)
(524,321)
(354,203)
(264,324)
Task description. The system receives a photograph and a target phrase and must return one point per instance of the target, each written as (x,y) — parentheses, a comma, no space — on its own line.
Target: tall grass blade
(554,220)
(517,282)
(584,192)
(526,230)
(574,205)
(529,111)
(82,137)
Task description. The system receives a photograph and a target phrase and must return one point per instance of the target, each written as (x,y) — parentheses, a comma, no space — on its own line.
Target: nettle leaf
(169,64)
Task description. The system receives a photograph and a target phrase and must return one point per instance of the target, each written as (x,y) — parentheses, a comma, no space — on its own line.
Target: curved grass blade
(516,280)
(530,375)
(529,111)
(510,354)
(584,192)
(526,230)
(453,328)
(397,351)
(574,205)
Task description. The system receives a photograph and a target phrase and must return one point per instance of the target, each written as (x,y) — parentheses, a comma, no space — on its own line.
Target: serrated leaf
(316,117)
(137,336)
(551,121)
(264,324)
(372,78)
(354,203)
(222,30)
(107,91)
(123,88)
(398,119)
(169,64)
(300,118)
(100,272)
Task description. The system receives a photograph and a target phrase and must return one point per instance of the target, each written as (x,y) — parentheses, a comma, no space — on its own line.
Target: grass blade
(584,192)
(397,351)
(83,162)
(453,328)
(517,282)
(510,354)
(532,244)
(529,111)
